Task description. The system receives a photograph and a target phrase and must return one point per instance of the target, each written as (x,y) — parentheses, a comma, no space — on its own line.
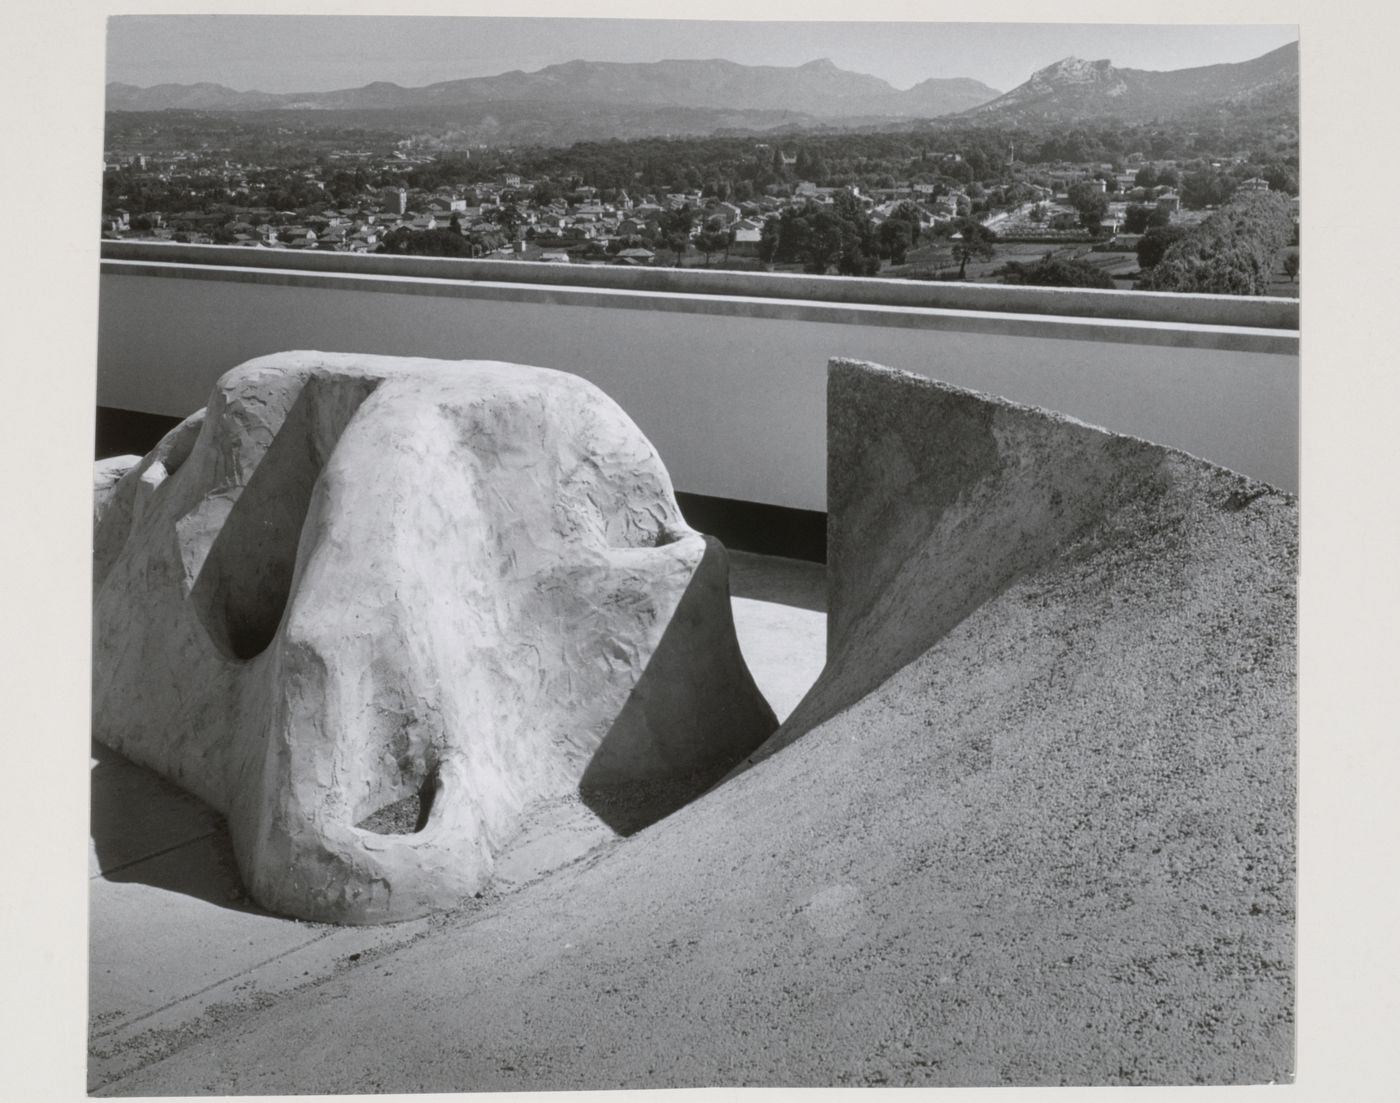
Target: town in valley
(1020,189)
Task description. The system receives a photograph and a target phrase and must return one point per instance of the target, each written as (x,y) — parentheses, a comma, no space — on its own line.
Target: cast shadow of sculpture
(147,831)
(650,763)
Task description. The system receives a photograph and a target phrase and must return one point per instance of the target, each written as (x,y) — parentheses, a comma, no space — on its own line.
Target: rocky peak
(1074,70)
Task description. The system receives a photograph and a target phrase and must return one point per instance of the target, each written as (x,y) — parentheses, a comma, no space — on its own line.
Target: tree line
(1233,252)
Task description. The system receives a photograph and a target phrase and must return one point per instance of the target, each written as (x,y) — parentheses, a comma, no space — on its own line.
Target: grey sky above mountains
(322,53)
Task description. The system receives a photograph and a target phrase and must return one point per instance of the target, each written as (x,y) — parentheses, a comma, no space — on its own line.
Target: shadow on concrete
(694,713)
(147,831)
(798,534)
(793,582)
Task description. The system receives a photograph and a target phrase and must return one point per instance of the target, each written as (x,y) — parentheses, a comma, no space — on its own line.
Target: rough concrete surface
(374,609)
(1033,825)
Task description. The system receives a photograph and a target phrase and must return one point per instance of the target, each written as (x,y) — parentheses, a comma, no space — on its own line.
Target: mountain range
(590,99)
(818,89)
(1074,90)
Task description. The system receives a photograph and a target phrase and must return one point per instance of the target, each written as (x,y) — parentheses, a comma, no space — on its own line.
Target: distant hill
(818,90)
(1073,90)
(187,97)
(592,100)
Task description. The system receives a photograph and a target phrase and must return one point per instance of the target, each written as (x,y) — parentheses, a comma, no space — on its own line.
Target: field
(935,260)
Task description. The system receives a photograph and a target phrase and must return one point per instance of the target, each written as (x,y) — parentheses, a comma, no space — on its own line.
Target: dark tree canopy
(425,243)
(975,242)
(1090,202)
(819,238)
(1207,187)
(910,213)
(1233,252)
(675,230)
(1051,271)
(894,239)
(1135,218)
(1155,243)
(714,238)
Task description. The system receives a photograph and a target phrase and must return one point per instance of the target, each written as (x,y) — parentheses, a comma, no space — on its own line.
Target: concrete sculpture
(371,609)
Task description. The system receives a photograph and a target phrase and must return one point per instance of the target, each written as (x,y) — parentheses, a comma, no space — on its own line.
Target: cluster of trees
(273,136)
(1091,203)
(139,193)
(1233,252)
(425,243)
(1138,219)
(257,137)
(818,237)
(972,241)
(1149,177)
(840,236)
(739,168)
(206,189)
(1155,242)
(1207,185)
(1051,271)
(735,167)
(440,242)
(714,237)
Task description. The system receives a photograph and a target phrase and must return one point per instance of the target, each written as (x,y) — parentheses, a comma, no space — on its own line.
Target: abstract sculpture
(356,588)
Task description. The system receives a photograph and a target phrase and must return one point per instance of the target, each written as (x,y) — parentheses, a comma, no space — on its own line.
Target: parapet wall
(724,372)
(1218,310)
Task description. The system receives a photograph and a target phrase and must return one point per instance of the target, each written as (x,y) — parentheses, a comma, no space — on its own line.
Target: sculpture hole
(404,817)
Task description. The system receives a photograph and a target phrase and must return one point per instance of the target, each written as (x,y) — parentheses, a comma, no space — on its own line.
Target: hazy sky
(319,53)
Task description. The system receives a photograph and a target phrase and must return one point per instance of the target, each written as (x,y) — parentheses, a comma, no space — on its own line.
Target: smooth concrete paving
(178,955)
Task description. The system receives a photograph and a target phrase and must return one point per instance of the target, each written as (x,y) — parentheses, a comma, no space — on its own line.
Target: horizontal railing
(724,371)
(1212,310)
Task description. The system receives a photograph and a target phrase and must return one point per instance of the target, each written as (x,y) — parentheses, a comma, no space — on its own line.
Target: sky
(320,53)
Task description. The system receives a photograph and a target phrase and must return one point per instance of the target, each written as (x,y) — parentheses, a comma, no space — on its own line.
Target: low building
(748,230)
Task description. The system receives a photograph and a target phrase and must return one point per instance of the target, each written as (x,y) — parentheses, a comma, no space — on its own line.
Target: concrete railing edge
(1144,306)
